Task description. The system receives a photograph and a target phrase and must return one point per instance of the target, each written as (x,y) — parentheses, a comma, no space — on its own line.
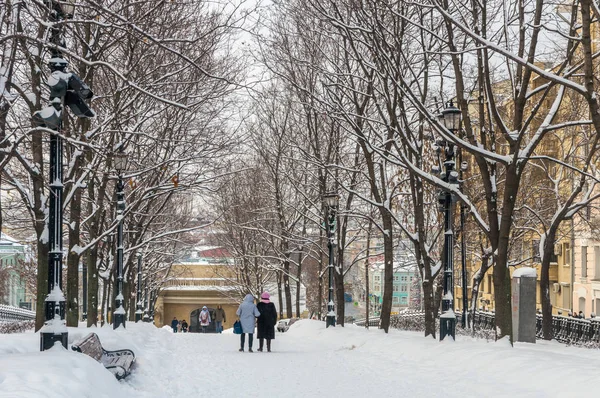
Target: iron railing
(565,329)
(15,314)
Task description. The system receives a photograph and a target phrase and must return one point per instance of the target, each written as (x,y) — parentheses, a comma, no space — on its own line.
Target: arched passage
(195,322)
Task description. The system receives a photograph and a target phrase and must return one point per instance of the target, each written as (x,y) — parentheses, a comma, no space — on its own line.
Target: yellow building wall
(180,302)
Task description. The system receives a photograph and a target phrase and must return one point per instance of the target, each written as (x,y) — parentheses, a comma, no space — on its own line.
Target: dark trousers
(261,342)
(243,339)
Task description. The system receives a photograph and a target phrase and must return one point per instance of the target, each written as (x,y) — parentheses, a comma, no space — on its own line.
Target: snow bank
(309,360)
(525,272)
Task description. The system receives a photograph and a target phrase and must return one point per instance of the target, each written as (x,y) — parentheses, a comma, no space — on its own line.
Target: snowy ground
(307,361)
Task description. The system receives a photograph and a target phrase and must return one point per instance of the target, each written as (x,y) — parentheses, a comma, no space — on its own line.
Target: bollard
(523,288)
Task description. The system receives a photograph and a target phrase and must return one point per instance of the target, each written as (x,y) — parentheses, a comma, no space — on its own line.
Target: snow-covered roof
(200,288)
(5,238)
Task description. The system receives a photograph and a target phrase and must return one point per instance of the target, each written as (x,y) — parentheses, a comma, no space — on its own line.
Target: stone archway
(195,323)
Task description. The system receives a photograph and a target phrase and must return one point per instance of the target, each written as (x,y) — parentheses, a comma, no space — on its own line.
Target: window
(567,253)
(566,296)
(489,284)
(403,299)
(535,250)
(403,288)
(597,262)
(395,278)
(377,278)
(395,288)
(584,261)
(404,278)
(395,299)
(377,287)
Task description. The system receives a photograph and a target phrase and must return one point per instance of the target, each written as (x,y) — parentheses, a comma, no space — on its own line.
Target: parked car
(284,324)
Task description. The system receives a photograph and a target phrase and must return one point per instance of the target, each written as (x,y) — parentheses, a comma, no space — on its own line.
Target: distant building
(12,256)
(205,277)
(402,280)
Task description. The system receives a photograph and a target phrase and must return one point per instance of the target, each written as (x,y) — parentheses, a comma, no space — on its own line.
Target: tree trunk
(105,293)
(388,277)
(338,280)
(73,257)
(429,308)
(298,284)
(545,285)
(286,285)
(280,295)
(92,287)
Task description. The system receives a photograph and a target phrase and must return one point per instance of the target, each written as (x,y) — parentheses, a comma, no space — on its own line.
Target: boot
(250,350)
(260,344)
(268,345)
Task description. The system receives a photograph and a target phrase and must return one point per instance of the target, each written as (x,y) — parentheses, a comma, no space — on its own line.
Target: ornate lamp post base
(48,339)
(448,325)
(118,320)
(330,320)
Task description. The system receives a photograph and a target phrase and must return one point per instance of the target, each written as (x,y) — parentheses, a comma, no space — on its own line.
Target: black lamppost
(331,203)
(120,159)
(65,89)
(463,251)
(451,119)
(146,317)
(84,283)
(139,311)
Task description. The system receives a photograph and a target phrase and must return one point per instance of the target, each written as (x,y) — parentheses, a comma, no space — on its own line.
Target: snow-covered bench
(118,362)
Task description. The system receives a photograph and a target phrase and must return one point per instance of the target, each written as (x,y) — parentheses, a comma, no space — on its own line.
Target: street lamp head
(64,9)
(331,199)
(68,8)
(120,159)
(451,116)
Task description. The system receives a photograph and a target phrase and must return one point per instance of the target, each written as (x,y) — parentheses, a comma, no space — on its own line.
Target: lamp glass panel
(68,7)
(331,200)
(120,161)
(452,118)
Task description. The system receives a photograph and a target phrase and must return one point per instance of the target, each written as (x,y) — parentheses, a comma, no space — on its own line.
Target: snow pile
(525,272)
(308,360)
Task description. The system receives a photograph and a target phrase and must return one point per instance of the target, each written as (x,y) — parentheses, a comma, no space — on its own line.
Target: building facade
(205,278)
(14,288)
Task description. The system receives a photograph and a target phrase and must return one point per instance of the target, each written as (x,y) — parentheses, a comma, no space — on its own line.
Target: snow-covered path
(307,361)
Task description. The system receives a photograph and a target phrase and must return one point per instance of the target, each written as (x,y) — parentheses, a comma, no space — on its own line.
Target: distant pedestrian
(174,324)
(220,318)
(184,326)
(204,319)
(178,327)
(581,315)
(266,321)
(247,313)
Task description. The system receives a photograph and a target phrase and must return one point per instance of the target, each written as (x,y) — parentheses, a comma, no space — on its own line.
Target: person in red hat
(266,321)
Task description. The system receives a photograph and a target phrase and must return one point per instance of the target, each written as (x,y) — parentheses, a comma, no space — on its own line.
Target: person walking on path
(204,319)
(174,324)
(220,318)
(266,321)
(247,313)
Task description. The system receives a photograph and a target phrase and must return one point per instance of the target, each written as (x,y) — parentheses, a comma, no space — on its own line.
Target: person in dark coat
(174,324)
(184,326)
(266,321)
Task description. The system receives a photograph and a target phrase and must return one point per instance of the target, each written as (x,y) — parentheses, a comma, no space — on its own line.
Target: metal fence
(565,329)
(15,314)
(372,322)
